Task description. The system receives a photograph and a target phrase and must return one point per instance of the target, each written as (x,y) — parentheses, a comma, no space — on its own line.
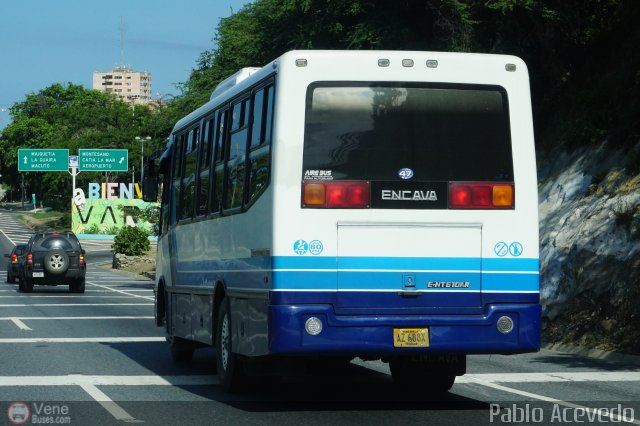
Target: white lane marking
(107,380)
(49,295)
(584,376)
(7,237)
(107,403)
(19,323)
(81,340)
(148,380)
(88,291)
(595,411)
(76,318)
(24,305)
(120,291)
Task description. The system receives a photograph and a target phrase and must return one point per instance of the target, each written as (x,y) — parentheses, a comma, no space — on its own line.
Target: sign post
(73,165)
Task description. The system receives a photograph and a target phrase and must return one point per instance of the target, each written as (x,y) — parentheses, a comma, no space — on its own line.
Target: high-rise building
(125,83)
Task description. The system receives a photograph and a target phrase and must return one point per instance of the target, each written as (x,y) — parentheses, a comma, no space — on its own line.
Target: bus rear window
(423,132)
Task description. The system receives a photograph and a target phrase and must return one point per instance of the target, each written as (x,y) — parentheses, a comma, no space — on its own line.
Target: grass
(58,221)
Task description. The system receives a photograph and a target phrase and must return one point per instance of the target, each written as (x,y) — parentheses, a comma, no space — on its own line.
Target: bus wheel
(181,350)
(229,365)
(414,376)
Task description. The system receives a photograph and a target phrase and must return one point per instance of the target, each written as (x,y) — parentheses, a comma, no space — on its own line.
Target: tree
(72,117)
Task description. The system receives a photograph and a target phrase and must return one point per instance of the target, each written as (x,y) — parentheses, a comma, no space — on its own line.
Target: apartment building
(125,83)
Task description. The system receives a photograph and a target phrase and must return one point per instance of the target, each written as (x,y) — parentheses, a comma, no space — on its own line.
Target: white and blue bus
(341,204)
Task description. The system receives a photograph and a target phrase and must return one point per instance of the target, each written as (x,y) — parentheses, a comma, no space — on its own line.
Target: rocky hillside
(590,247)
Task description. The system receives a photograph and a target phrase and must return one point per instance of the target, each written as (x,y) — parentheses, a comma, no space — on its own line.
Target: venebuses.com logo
(20,413)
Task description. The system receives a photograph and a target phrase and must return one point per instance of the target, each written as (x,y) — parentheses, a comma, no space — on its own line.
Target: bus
(334,205)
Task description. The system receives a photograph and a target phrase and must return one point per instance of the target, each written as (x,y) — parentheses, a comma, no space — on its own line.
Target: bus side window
(218,160)
(205,161)
(190,149)
(237,156)
(176,175)
(259,163)
(164,212)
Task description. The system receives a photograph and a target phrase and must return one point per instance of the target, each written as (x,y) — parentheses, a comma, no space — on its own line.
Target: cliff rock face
(589,206)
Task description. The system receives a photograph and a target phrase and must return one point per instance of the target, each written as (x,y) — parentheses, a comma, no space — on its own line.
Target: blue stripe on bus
(376,281)
(330,297)
(406,263)
(511,264)
(510,282)
(306,273)
(409,263)
(393,280)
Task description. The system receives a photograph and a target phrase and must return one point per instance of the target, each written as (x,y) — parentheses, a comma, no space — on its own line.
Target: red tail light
(463,195)
(336,195)
(81,260)
(14,258)
(29,259)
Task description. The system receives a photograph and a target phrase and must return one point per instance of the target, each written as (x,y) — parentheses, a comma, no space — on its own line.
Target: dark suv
(53,258)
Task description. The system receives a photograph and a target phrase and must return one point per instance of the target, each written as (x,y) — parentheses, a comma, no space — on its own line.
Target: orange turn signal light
(503,195)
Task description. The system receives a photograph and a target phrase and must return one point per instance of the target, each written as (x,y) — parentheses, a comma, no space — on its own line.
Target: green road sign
(43,160)
(103,160)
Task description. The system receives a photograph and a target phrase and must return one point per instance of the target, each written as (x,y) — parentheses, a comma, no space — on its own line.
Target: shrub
(112,230)
(132,241)
(93,229)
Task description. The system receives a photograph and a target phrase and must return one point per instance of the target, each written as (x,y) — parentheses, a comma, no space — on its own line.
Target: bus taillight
(463,195)
(336,195)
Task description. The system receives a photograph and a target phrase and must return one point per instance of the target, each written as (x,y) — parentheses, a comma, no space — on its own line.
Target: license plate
(410,337)
(38,275)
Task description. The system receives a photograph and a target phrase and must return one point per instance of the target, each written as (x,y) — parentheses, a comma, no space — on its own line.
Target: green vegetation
(149,214)
(70,116)
(585,82)
(132,241)
(51,220)
(580,55)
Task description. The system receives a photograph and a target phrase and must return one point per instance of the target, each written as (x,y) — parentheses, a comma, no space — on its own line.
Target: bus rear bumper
(373,335)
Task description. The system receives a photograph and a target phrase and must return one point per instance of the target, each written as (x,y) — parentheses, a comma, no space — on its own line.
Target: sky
(43,42)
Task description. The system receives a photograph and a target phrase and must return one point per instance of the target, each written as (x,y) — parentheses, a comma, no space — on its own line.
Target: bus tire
(417,377)
(230,371)
(161,307)
(181,349)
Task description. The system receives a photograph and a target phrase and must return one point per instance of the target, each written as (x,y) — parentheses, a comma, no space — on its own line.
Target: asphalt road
(98,359)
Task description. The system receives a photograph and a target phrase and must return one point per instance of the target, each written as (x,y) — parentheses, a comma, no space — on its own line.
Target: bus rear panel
(415,215)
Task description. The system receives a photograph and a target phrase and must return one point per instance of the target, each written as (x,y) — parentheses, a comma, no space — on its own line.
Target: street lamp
(142,139)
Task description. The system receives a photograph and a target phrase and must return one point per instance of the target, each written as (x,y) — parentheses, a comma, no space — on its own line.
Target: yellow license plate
(410,337)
